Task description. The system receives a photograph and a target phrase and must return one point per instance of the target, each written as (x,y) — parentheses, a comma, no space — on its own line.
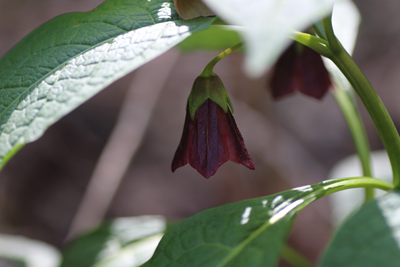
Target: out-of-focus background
(293,142)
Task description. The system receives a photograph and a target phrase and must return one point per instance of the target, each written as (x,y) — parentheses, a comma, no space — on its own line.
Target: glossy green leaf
(123,242)
(370,238)
(247,233)
(232,235)
(70,58)
(269,24)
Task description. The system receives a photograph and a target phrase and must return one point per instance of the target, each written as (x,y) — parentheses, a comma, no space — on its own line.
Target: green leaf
(122,242)
(370,238)
(247,233)
(70,58)
(269,24)
(217,37)
(233,235)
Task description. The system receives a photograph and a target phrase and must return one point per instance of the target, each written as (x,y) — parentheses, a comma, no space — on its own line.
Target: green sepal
(208,86)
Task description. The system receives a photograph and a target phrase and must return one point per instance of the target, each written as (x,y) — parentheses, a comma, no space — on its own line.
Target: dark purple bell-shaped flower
(299,68)
(211,138)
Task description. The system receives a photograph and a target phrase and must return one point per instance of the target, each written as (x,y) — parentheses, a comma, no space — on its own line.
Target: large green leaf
(370,238)
(248,233)
(233,235)
(269,24)
(70,58)
(123,242)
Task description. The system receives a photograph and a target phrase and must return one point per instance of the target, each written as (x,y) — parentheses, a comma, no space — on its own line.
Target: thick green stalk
(345,103)
(341,184)
(383,122)
(319,30)
(333,41)
(369,194)
(356,127)
(318,44)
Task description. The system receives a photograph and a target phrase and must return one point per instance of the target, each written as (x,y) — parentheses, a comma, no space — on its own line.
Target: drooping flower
(210,134)
(299,68)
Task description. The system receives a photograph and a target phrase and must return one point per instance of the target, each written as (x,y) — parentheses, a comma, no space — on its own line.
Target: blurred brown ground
(293,142)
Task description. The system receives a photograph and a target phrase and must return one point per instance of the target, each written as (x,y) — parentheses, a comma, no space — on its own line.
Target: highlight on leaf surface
(70,58)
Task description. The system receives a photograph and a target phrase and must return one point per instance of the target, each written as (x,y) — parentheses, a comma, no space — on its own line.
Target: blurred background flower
(301,69)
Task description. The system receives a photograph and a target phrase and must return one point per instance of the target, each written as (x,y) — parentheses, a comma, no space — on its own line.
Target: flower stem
(318,44)
(319,30)
(369,194)
(356,127)
(294,257)
(333,41)
(336,185)
(208,70)
(380,116)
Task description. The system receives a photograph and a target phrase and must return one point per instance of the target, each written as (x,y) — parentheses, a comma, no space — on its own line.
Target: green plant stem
(319,30)
(318,44)
(346,104)
(356,127)
(333,41)
(295,258)
(369,194)
(208,70)
(332,186)
(383,122)
(336,185)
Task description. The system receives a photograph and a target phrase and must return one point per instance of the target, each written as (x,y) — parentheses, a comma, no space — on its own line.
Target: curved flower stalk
(210,134)
(299,68)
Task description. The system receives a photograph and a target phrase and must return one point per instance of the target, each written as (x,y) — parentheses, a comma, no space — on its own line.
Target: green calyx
(208,86)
